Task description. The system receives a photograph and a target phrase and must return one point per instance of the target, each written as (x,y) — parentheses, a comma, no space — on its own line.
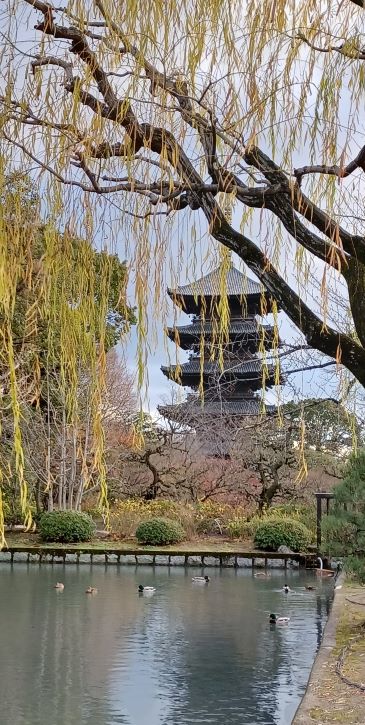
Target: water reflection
(187,655)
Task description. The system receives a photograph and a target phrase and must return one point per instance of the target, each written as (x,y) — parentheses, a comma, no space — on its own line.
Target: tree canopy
(173,123)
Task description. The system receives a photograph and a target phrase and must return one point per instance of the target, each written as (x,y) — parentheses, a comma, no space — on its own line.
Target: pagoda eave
(186,339)
(191,414)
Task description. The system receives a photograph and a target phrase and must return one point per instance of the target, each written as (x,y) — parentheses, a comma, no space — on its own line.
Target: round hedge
(273,533)
(66,526)
(159,531)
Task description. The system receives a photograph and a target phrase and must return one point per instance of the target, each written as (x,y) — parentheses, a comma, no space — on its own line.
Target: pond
(188,654)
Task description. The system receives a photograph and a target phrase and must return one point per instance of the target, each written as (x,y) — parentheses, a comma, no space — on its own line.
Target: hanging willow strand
(144,123)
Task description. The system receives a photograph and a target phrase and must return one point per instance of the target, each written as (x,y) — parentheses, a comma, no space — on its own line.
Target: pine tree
(345,527)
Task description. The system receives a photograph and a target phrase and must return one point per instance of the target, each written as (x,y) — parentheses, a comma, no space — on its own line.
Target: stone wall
(135,559)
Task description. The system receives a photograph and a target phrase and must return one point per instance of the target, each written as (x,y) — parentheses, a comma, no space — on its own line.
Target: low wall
(321,665)
(160,558)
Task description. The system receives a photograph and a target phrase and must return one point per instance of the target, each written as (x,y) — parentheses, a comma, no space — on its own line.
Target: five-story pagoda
(225,370)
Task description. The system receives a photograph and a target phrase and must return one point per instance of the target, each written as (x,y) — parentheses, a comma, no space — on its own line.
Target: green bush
(66,526)
(159,531)
(304,513)
(272,533)
(240,528)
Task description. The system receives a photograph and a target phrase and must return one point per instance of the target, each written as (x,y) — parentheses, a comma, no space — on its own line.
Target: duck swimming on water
(274,619)
(59,586)
(146,590)
(91,590)
(201,579)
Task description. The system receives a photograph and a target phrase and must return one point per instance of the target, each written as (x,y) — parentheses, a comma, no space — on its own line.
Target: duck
(201,579)
(310,588)
(146,590)
(274,619)
(286,589)
(262,575)
(59,586)
(91,590)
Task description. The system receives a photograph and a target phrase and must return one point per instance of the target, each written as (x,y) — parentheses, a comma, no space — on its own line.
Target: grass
(342,703)
(206,544)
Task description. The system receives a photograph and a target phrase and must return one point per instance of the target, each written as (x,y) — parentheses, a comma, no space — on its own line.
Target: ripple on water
(186,655)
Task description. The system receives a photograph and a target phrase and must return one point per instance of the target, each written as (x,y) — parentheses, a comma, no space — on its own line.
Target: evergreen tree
(345,527)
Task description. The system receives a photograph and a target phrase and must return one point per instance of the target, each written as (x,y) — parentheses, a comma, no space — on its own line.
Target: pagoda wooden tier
(246,372)
(246,333)
(230,384)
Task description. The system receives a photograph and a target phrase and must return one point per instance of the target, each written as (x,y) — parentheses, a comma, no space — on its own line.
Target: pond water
(188,654)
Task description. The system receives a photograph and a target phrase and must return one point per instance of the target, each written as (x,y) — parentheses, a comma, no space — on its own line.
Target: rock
(177,560)
(20,556)
(285,550)
(144,559)
(195,561)
(161,560)
(276,563)
(71,558)
(112,559)
(5,556)
(259,563)
(127,559)
(102,534)
(243,561)
(84,559)
(98,559)
(228,561)
(211,561)
(34,558)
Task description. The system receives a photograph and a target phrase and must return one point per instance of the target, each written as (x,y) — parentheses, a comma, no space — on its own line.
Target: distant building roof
(188,411)
(237,284)
(236,327)
(193,367)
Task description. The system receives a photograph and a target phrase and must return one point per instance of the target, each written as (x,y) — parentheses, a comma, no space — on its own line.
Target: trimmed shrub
(159,531)
(272,533)
(66,526)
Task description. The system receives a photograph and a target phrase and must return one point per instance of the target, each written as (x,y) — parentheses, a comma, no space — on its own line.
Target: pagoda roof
(193,367)
(188,411)
(237,285)
(236,327)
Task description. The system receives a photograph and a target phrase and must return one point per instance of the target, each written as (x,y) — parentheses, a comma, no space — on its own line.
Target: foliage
(66,526)
(272,533)
(233,79)
(125,516)
(57,325)
(241,528)
(329,427)
(344,528)
(210,525)
(159,531)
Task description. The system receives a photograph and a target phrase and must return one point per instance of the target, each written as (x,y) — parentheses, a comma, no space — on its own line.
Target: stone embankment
(73,555)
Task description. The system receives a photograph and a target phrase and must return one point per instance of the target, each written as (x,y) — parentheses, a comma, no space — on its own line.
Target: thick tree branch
(341,173)
(352,244)
(328,341)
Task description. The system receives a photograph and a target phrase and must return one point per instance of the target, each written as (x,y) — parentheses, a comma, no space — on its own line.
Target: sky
(183,258)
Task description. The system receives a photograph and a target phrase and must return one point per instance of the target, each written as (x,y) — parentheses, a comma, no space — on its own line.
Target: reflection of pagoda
(224,369)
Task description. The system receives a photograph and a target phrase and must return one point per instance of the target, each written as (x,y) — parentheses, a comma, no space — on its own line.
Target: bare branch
(341,173)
